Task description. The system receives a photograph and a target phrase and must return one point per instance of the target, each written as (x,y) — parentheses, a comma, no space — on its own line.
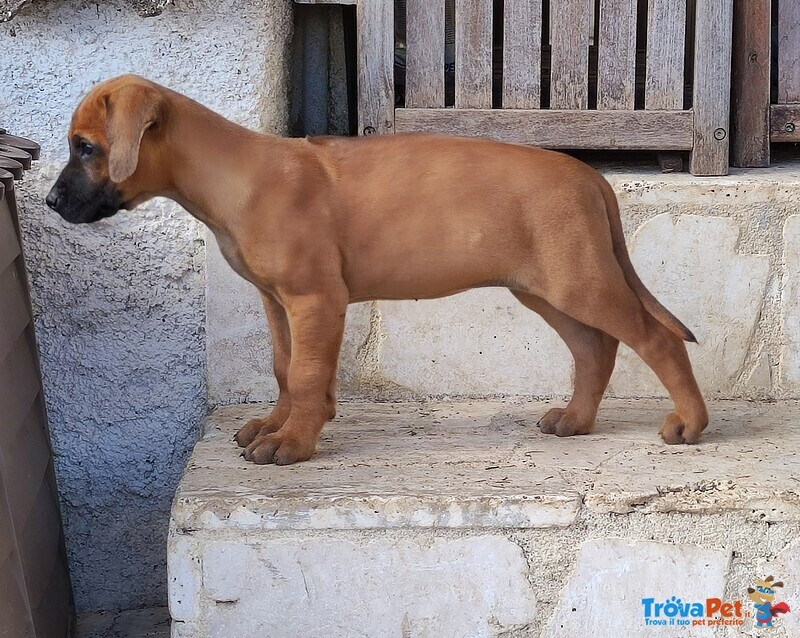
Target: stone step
(463,519)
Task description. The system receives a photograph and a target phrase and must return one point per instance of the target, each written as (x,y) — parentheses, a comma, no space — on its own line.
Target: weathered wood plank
(15,315)
(666,36)
(616,71)
(522,54)
(785,123)
(788,51)
(712,88)
(750,128)
(661,130)
(473,75)
(375,53)
(9,244)
(569,43)
(425,53)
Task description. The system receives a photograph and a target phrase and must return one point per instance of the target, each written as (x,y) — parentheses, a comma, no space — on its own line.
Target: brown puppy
(317,224)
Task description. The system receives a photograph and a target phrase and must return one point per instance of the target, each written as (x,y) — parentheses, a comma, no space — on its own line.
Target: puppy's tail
(650,303)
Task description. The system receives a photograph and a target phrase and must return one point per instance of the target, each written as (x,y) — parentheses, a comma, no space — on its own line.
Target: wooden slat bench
(572,116)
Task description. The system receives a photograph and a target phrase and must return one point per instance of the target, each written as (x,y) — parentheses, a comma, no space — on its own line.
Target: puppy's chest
(232,252)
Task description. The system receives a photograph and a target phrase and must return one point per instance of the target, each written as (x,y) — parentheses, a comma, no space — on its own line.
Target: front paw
(254,428)
(282,448)
(676,430)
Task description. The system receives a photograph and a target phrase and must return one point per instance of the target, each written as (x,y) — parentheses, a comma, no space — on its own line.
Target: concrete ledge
(416,518)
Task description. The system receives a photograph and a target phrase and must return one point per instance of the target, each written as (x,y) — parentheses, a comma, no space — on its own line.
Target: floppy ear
(778,584)
(750,590)
(130,112)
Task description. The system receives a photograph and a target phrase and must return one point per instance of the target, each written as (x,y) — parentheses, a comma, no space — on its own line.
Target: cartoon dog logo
(763,596)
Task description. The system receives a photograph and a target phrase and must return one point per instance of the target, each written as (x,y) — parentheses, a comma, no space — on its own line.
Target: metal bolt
(789,128)
(720,134)
(369,130)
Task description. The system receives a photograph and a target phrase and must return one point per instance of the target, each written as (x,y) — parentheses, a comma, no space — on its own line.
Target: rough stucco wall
(10,8)
(120,305)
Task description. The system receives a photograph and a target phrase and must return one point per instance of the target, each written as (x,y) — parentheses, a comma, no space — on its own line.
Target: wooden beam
(788,51)
(666,42)
(375,36)
(657,130)
(712,88)
(473,76)
(750,83)
(785,123)
(425,53)
(616,71)
(522,54)
(569,44)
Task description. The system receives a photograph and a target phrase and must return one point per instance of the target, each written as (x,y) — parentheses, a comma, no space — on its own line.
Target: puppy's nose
(53,197)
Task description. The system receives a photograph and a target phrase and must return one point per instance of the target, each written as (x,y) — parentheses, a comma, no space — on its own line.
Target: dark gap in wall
(641,54)
(351,60)
(773,76)
(399,61)
(688,61)
(450,69)
(546,55)
(498,12)
(594,57)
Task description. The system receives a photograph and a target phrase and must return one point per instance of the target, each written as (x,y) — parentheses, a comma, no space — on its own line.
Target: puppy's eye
(85,149)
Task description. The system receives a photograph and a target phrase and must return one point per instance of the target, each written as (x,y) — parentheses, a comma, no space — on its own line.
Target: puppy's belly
(415,283)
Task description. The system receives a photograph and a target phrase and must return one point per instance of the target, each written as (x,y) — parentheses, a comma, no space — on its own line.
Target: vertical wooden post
(616,67)
(473,79)
(569,43)
(375,36)
(425,54)
(666,38)
(712,87)
(788,52)
(522,54)
(750,89)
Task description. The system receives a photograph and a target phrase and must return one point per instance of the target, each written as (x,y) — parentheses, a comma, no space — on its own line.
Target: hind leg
(594,353)
(611,306)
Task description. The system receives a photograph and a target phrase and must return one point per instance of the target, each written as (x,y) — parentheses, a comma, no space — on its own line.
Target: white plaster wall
(120,305)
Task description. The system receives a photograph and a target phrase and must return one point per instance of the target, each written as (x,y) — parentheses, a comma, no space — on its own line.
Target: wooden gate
(666,121)
(766,78)
(785,113)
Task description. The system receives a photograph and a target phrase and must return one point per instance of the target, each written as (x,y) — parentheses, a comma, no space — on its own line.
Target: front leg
(316,322)
(281,355)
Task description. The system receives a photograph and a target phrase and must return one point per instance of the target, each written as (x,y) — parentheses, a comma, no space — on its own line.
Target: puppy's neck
(214,164)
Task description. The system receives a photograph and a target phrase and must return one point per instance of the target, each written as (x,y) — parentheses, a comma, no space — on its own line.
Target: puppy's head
(112,147)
